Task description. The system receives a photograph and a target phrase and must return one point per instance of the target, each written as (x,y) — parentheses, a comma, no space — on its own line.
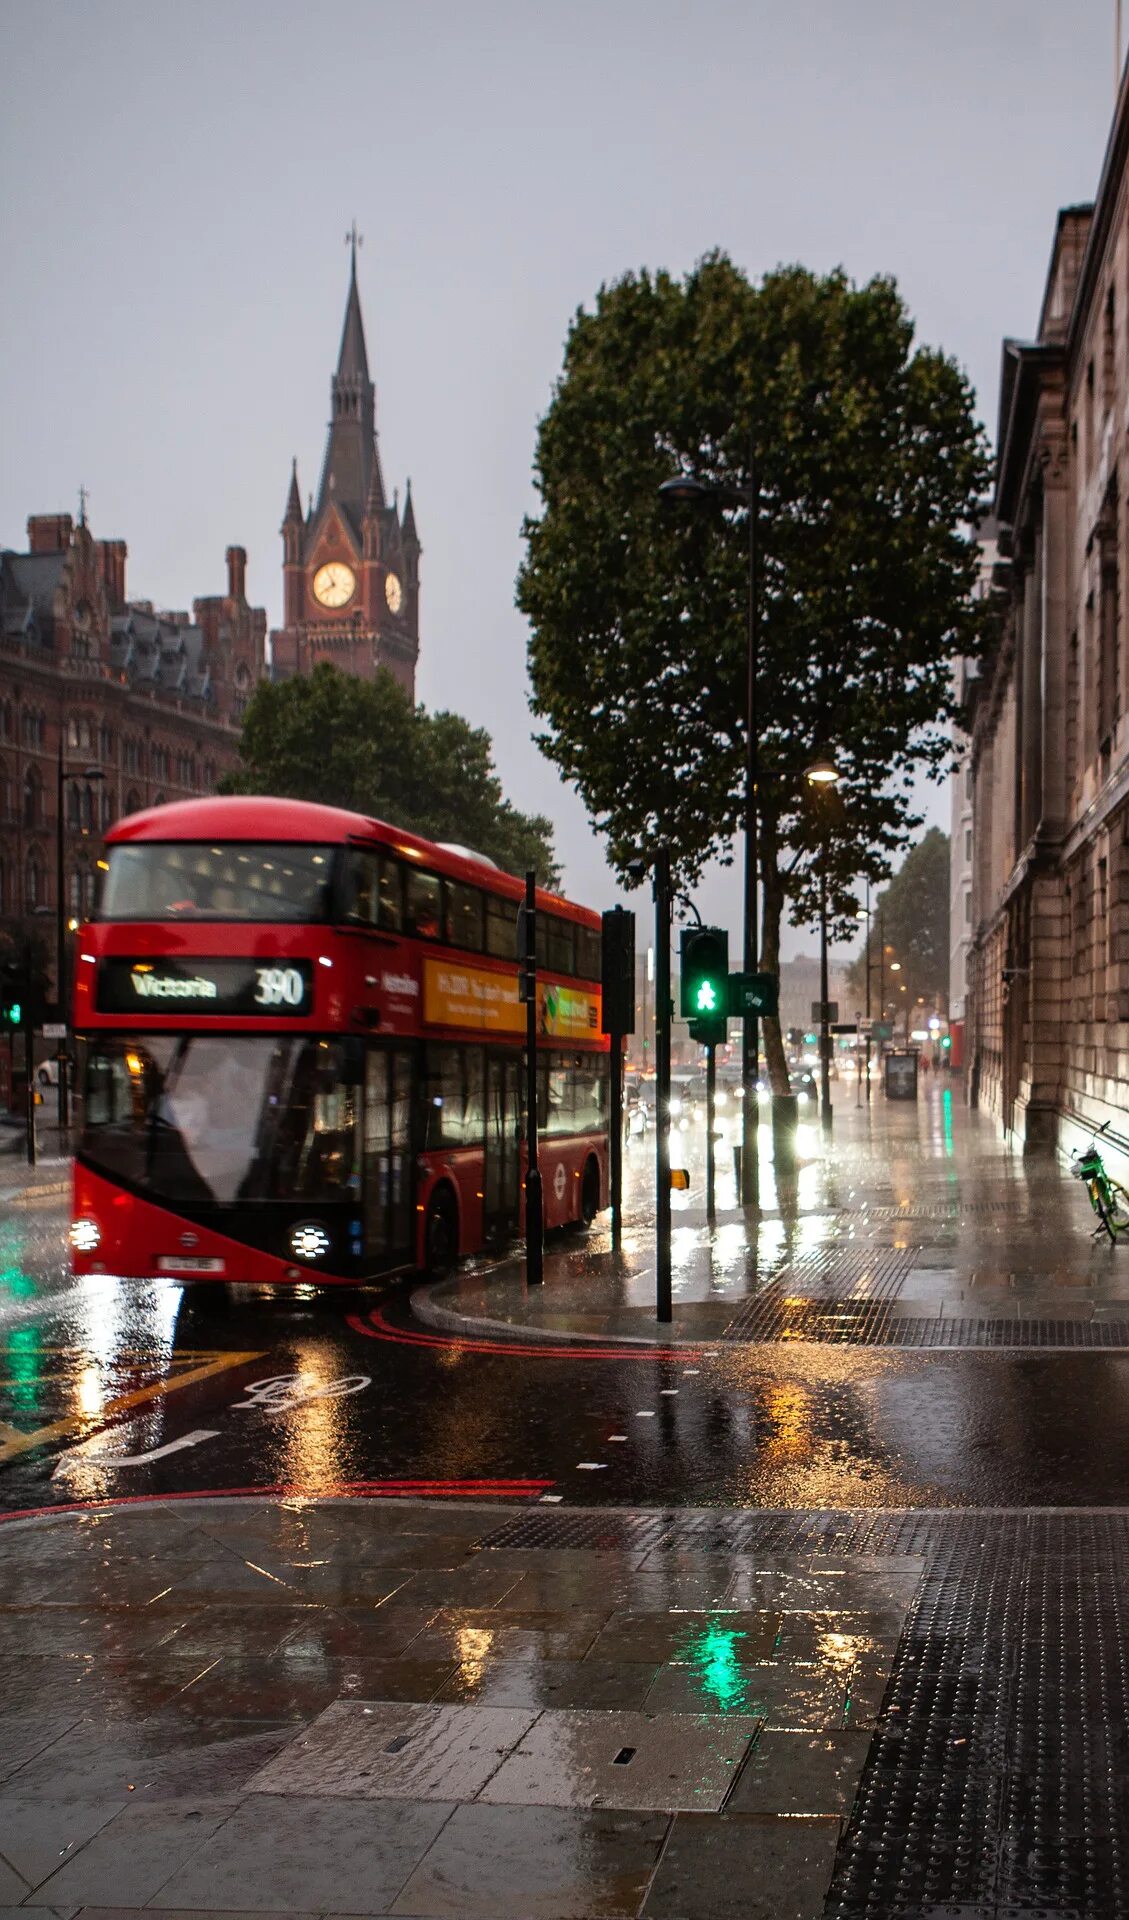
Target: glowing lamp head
(822,773)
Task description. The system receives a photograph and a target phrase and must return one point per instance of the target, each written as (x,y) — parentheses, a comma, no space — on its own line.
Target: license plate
(188,1263)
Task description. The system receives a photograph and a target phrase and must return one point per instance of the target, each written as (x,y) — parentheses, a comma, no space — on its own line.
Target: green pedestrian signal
(704,986)
(12,1014)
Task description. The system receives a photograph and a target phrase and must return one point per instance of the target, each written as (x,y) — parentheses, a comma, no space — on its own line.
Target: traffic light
(617,949)
(13,982)
(704,986)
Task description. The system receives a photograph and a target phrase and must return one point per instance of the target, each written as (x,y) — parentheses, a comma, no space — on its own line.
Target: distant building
(351,561)
(1048,1015)
(799,992)
(960,818)
(91,679)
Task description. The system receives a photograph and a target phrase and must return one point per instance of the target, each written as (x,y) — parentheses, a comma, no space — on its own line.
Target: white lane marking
(647,1414)
(591,1466)
(617,1436)
(158,1453)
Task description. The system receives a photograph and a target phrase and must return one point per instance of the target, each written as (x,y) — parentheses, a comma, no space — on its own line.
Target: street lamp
(821,776)
(65,774)
(685,490)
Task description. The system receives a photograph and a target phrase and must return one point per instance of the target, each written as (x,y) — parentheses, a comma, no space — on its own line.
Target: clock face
(392,592)
(334,584)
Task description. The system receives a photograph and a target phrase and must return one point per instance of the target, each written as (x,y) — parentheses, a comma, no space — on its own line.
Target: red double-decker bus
(301,1050)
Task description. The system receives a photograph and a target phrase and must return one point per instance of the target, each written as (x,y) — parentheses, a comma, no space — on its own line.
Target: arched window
(74,812)
(160,800)
(33,798)
(87,793)
(6,719)
(72,731)
(107,805)
(5,792)
(33,883)
(3,889)
(133,801)
(74,893)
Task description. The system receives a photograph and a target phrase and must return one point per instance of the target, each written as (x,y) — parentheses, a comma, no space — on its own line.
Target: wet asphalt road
(114,1389)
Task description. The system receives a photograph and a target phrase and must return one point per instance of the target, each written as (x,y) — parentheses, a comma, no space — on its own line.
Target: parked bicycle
(1108,1198)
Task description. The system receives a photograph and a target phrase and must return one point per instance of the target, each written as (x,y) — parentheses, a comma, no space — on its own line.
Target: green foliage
(359,744)
(913,913)
(870,466)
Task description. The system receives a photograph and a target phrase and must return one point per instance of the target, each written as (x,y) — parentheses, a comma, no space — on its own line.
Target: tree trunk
(773,898)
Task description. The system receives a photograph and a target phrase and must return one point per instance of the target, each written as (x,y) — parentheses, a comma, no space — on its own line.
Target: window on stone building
(3,889)
(5,719)
(1091,432)
(1109,617)
(106,743)
(968,843)
(968,907)
(1109,350)
(33,798)
(5,793)
(107,806)
(133,801)
(33,884)
(74,895)
(74,809)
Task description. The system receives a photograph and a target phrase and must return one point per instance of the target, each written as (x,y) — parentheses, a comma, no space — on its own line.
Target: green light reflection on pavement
(712,1653)
(15,1281)
(947,1120)
(24,1370)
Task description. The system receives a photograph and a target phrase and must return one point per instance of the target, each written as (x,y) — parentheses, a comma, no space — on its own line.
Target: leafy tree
(913,914)
(869,467)
(363,745)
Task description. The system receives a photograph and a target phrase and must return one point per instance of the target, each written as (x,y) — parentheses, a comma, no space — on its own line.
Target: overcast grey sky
(178,179)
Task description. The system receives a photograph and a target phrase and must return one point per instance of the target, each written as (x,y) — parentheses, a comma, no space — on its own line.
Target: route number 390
(279,987)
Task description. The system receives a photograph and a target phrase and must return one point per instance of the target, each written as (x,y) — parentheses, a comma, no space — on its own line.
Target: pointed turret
(293,515)
(408,524)
(350,453)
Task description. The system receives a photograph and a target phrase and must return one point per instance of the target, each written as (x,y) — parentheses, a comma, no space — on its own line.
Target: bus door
(502,1182)
(388,1156)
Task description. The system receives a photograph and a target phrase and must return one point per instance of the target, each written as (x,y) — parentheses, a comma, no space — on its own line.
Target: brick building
(153,700)
(351,562)
(1048,1009)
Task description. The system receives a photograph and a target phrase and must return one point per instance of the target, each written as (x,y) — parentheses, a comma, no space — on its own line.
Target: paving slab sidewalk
(632,1749)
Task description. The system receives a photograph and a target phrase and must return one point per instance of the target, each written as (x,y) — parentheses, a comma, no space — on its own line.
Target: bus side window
(587,953)
(501,928)
(562,953)
(391,895)
(464,916)
(424,904)
(361,889)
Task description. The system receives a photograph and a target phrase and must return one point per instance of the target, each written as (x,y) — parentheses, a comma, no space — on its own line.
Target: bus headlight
(85,1234)
(309,1241)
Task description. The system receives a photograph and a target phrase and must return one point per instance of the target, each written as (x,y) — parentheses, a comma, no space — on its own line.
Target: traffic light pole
(824,1009)
(750,1033)
(534,1211)
(711,1160)
(29,1074)
(663,1294)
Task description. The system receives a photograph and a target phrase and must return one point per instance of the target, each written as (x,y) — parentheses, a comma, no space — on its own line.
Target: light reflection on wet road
(97,1376)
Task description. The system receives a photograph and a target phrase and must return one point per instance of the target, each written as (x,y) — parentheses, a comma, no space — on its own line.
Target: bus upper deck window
(423,904)
(391,911)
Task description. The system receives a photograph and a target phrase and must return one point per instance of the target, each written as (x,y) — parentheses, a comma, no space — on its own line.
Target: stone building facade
(1048,1013)
(351,562)
(90,679)
(960,822)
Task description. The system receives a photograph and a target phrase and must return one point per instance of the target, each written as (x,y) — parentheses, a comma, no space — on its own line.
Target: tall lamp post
(64,774)
(821,776)
(687,491)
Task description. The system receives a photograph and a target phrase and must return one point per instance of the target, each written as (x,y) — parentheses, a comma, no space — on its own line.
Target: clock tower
(351,562)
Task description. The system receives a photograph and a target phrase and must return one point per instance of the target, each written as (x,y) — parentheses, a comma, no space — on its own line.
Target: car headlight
(309,1241)
(85,1234)
(675,1105)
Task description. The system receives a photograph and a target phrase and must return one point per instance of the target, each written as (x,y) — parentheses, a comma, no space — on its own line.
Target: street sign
(865,1026)
(54,1030)
(844,1026)
(754,993)
(817,1014)
(883,1031)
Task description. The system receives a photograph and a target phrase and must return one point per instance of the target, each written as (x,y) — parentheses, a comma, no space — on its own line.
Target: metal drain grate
(607,1532)
(1016,1209)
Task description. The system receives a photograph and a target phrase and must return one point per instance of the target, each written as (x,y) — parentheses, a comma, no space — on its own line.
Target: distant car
(47,1073)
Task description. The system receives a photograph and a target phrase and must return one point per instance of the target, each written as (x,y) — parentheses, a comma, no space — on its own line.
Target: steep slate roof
(28,585)
(153,651)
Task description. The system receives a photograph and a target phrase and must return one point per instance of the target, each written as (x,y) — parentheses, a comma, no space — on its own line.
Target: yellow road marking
(14,1442)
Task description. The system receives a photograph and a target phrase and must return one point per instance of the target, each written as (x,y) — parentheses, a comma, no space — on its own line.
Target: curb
(25,1196)
(424,1306)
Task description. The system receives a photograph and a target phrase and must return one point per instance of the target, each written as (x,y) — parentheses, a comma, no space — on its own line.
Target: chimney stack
(49,532)
(113,571)
(236,573)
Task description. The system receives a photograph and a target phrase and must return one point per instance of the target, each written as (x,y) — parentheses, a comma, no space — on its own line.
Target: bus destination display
(274,989)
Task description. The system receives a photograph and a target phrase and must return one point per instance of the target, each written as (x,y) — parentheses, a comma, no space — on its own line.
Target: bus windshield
(181,880)
(222,1118)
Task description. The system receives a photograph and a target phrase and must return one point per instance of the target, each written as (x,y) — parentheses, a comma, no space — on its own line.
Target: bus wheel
(440,1240)
(590,1194)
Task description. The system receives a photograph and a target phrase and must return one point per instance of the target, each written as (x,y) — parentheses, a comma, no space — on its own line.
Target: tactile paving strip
(873,1323)
(998,1778)
(855,1283)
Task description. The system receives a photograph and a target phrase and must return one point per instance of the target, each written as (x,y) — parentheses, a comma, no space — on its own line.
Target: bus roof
(261,817)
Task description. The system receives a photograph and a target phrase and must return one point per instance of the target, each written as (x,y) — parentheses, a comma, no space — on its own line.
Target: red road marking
(515,1489)
(375,1327)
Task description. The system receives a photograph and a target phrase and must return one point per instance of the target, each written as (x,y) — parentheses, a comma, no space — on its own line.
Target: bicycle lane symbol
(286,1392)
(283,1393)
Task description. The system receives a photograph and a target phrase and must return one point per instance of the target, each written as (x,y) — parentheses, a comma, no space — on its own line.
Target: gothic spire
(293,500)
(408,524)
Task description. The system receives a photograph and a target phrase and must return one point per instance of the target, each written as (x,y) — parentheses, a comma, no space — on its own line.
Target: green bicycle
(1108,1199)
